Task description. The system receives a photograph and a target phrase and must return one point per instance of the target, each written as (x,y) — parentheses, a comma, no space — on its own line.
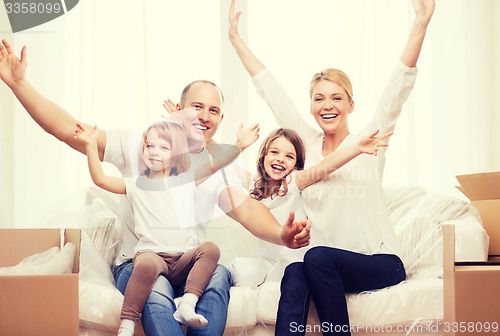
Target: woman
(356,248)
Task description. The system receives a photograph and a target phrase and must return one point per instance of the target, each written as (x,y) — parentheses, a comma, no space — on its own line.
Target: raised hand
(86,135)
(12,69)
(233,20)
(424,9)
(371,143)
(247,136)
(296,234)
(170,106)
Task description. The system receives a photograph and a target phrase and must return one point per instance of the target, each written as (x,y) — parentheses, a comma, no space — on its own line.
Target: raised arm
(423,14)
(87,136)
(333,161)
(51,117)
(251,63)
(223,155)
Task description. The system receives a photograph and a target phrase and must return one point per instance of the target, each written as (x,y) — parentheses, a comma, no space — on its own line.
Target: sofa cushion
(418,215)
(418,299)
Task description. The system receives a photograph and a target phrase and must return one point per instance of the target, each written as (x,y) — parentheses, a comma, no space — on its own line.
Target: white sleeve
(284,110)
(121,150)
(116,151)
(393,97)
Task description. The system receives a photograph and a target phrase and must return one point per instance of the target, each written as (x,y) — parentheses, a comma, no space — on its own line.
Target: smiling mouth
(201,127)
(329,116)
(278,168)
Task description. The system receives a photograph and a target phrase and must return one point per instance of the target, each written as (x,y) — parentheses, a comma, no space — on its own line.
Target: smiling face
(194,130)
(206,99)
(330,106)
(280,158)
(156,154)
(164,150)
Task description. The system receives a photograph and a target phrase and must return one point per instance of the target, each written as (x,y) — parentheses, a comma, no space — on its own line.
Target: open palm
(12,69)
(371,143)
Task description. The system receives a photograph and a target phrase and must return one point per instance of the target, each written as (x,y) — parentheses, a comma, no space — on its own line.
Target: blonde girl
(162,201)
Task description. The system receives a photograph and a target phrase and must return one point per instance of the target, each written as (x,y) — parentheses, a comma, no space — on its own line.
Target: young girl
(281,177)
(163,206)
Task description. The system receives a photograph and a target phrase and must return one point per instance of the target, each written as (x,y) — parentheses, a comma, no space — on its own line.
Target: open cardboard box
(483,190)
(471,296)
(38,304)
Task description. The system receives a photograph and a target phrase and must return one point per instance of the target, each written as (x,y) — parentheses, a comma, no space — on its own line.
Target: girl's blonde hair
(261,188)
(332,75)
(173,133)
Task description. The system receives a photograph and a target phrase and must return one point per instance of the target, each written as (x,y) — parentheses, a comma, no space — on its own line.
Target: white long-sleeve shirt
(347,208)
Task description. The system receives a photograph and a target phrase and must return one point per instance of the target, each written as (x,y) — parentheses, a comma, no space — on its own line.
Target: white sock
(126,328)
(186,315)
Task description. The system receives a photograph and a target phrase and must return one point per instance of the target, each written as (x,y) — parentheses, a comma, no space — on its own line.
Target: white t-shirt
(280,207)
(347,209)
(122,148)
(163,213)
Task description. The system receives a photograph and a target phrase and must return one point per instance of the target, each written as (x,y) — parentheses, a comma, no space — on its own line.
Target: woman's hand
(233,21)
(423,9)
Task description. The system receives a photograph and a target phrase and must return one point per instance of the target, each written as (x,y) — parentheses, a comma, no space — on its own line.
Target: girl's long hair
(173,133)
(261,188)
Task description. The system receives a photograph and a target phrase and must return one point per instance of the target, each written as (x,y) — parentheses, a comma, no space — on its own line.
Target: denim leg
(213,304)
(332,272)
(157,316)
(293,306)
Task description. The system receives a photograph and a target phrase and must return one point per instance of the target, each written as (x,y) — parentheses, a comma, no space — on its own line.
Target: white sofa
(416,304)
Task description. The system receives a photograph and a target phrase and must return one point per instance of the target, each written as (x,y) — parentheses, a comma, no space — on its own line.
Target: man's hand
(12,69)
(296,234)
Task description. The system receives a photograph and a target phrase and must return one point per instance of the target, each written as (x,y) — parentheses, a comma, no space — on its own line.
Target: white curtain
(113,62)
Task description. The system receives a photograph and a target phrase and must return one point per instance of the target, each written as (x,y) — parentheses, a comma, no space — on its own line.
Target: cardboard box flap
(482,186)
(17,244)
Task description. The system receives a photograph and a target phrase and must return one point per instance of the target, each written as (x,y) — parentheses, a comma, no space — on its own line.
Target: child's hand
(170,107)
(371,143)
(248,136)
(86,135)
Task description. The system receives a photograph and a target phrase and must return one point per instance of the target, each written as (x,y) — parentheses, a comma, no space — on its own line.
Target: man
(222,188)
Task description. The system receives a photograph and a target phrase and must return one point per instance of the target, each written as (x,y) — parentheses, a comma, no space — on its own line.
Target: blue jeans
(327,274)
(157,316)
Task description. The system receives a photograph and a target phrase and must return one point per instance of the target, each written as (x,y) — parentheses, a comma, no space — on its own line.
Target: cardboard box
(471,295)
(38,304)
(483,190)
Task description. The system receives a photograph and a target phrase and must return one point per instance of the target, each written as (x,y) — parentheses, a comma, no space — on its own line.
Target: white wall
(113,62)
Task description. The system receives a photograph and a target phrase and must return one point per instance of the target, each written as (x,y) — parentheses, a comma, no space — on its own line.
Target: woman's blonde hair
(332,75)
(173,133)
(261,187)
